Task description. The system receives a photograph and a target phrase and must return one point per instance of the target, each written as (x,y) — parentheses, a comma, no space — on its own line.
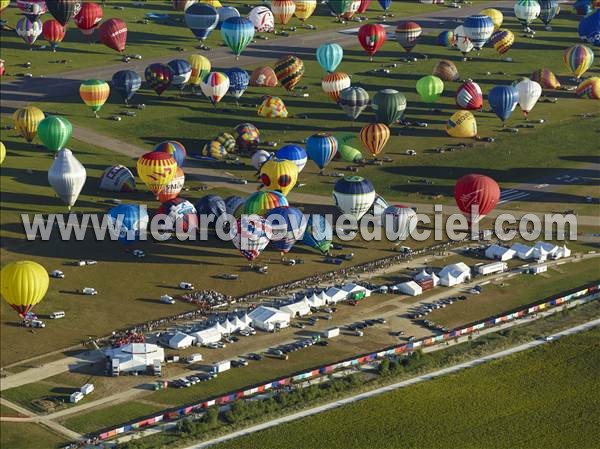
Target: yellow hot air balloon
(94,94)
(496,16)
(305,9)
(2,152)
(462,124)
(23,284)
(26,121)
(200,68)
(279,174)
(157,169)
(374,137)
(214,3)
(4,4)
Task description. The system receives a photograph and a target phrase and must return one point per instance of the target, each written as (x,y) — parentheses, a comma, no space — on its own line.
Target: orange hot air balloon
(334,83)
(157,170)
(374,137)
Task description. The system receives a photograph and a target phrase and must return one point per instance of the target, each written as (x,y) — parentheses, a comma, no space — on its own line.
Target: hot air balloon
(127,83)
(502,40)
(156,169)
(385,5)
(350,10)
(29,30)
(67,176)
(321,149)
(340,7)
(26,121)
(88,17)
(63,10)
(173,189)
(4,4)
(201,19)
(430,88)
(548,11)
(578,59)
(2,152)
(263,77)
(371,37)
(130,221)
(407,35)
(389,106)
(283,10)
(117,178)
(250,235)
(248,136)
(2,68)
(158,77)
(589,28)
(215,86)
(463,43)
(503,100)
(334,83)
(181,212)
(262,19)
(226,12)
(529,93)
(496,16)
(526,11)
(293,153)
(354,195)
(200,68)
(238,81)
(261,202)
(318,233)
(214,150)
(211,208)
(280,175)
(182,5)
(399,221)
(462,124)
(589,88)
(54,132)
(173,148)
(469,96)
(446,39)
(374,137)
(32,9)
(346,152)
(94,94)
(272,107)
(113,34)
(446,70)
(237,32)
(234,205)
(53,32)
(288,225)
(329,56)
(476,196)
(582,7)
(364,5)
(353,100)
(305,9)
(289,71)
(478,29)
(260,157)
(228,142)
(23,285)
(182,71)
(546,78)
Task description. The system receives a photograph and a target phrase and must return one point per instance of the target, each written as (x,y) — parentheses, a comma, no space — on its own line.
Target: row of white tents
(541,252)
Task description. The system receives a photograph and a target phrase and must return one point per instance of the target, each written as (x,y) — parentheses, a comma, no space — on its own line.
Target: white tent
(219,328)
(543,250)
(500,253)
(523,252)
(297,309)
(323,297)
(181,341)
(316,301)
(206,336)
(410,288)
(563,251)
(246,320)
(239,324)
(424,276)
(228,328)
(335,295)
(457,273)
(269,318)
(136,356)
(353,288)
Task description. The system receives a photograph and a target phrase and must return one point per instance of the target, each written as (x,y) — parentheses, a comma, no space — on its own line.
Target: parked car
(57,274)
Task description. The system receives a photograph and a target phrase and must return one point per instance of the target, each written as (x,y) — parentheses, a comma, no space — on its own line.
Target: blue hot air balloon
(210,207)
(589,28)
(293,153)
(288,225)
(225,13)
(548,11)
(182,71)
(238,81)
(237,32)
(201,18)
(321,148)
(478,29)
(318,233)
(385,4)
(329,56)
(127,83)
(503,100)
(130,221)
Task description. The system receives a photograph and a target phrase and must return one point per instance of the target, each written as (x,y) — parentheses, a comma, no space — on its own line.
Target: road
(392,387)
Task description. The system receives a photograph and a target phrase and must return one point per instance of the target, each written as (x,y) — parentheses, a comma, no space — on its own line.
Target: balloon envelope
(288,225)
(478,29)
(250,235)
(371,37)
(262,19)
(158,77)
(237,33)
(503,100)
(374,137)
(476,196)
(238,81)
(113,34)
(201,19)
(289,71)
(173,148)
(280,175)
(589,28)
(529,92)
(334,83)
(399,221)
(389,106)
(578,59)
(126,83)
(215,86)
(318,233)
(354,195)
(353,100)
(63,10)
(26,121)
(117,178)
(321,148)
(156,169)
(430,88)
(462,124)
(263,201)
(54,132)
(293,153)
(469,96)
(23,285)
(182,71)
(407,34)
(67,176)
(329,56)
(130,221)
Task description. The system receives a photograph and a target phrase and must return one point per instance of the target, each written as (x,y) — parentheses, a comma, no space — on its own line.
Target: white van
(57,315)
(186,286)
(166,299)
(89,291)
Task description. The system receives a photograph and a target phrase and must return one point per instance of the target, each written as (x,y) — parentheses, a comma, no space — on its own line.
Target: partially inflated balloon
(263,201)
(340,7)
(117,178)
(321,148)
(272,107)
(280,175)
(407,34)
(503,100)
(237,33)
(182,71)
(399,220)
(113,34)
(476,196)
(23,285)
(259,158)
(318,233)
(353,100)
(446,39)
(364,5)
(226,12)
(548,11)
(546,78)
(156,169)
(181,212)
(589,28)
(289,71)
(374,137)
(26,121)
(63,10)
(293,153)
(469,96)
(214,150)
(215,86)
(248,136)
(130,220)
(334,83)
(446,70)
(578,59)
(126,83)
(288,225)
(389,106)
(430,88)
(55,132)
(158,77)
(329,56)
(371,37)
(589,88)
(67,177)
(462,124)
(173,148)
(94,94)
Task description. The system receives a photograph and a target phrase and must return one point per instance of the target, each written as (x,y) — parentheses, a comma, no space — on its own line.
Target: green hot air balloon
(430,88)
(339,7)
(346,151)
(54,132)
(389,106)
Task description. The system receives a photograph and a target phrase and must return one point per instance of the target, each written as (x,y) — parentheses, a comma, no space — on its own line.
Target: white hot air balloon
(260,157)
(399,222)
(462,42)
(354,196)
(67,176)
(529,93)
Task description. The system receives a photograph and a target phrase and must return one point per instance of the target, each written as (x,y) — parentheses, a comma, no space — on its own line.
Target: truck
(157,367)
(331,333)
(166,299)
(357,296)
(193,358)
(57,274)
(76,397)
(57,315)
(491,268)
(186,286)
(89,291)
(87,389)
(219,367)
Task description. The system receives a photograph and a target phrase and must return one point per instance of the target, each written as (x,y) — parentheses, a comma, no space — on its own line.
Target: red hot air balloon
(113,34)
(476,191)
(364,5)
(88,17)
(53,32)
(469,96)
(371,37)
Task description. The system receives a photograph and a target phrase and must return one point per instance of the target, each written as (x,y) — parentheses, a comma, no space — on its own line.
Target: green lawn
(545,397)
(29,436)
(29,395)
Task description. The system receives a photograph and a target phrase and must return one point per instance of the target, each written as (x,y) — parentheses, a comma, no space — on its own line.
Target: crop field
(545,397)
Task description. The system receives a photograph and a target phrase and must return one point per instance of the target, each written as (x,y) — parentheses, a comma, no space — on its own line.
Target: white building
(410,288)
(523,252)
(335,295)
(269,319)
(354,288)
(457,273)
(181,341)
(297,309)
(537,269)
(498,252)
(207,336)
(491,268)
(135,357)
(425,276)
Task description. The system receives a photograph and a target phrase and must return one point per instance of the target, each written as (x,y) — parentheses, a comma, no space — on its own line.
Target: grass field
(545,397)
(30,436)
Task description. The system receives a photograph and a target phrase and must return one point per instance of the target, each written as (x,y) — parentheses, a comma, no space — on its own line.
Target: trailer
(491,268)
(87,389)
(331,333)
(219,367)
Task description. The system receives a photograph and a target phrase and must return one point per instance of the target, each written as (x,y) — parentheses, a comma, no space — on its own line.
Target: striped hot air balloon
(578,59)
(263,201)
(289,71)
(26,121)
(215,86)
(53,32)
(469,96)
(548,11)
(353,100)
(157,169)
(502,40)
(478,28)
(94,94)
(175,149)
(334,83)
(283,10)
(237,33)
(374,137)
(250,235)
(446,70)
(546,78)
(158,77)
(321,148)
(589,88)
(526,11)
(407,34)
(354,195)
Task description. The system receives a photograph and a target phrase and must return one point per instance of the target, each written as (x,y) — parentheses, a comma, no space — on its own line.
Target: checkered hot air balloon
(407,34)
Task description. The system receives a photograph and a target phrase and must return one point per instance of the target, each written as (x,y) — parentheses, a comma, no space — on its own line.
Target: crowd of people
(208,299)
